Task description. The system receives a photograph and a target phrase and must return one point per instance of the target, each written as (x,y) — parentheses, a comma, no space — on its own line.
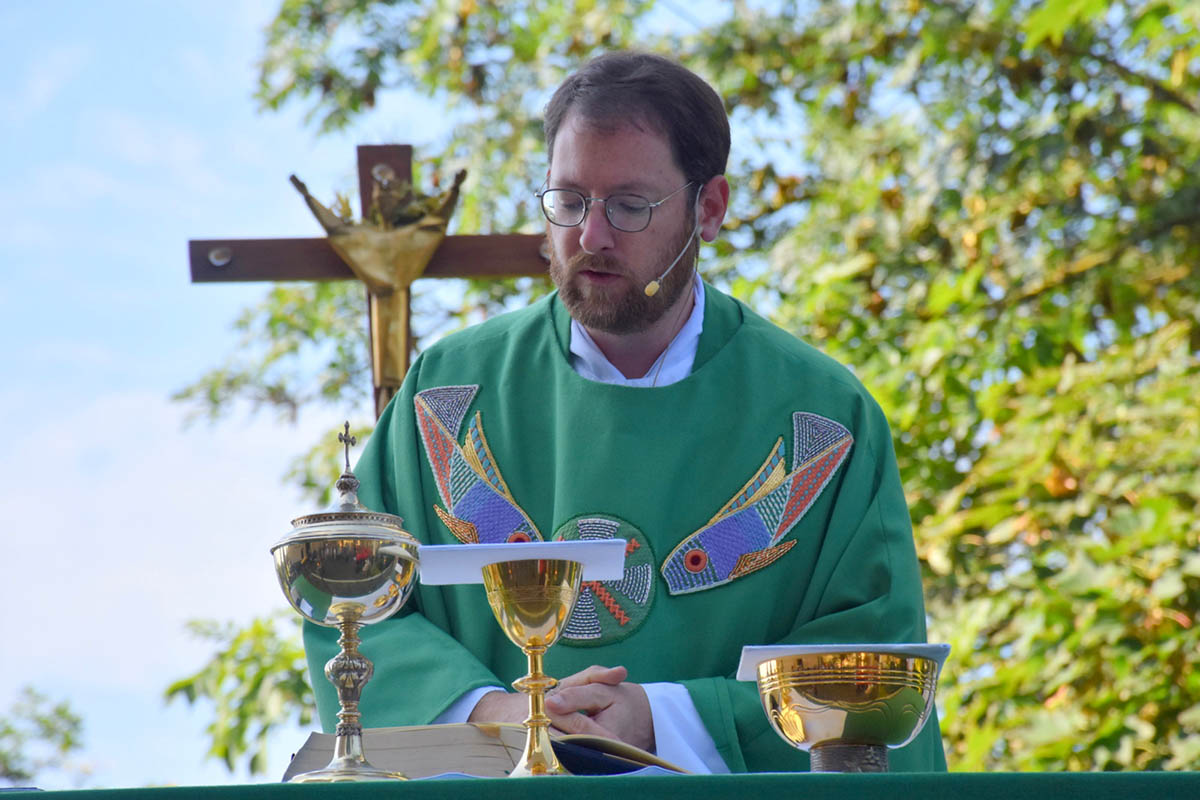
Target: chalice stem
(349,672)
(538,758)
(348,748)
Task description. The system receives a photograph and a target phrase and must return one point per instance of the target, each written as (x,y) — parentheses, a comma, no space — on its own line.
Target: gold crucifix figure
(388,251)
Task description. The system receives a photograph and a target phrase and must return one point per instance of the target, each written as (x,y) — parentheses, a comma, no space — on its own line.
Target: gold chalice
(532,588)
(846,704)
(532,600)
(345,568)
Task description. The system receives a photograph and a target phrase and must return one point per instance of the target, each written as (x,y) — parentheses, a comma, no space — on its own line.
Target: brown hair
(646,88)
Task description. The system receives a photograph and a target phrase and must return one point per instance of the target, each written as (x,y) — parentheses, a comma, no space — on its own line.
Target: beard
(624,307)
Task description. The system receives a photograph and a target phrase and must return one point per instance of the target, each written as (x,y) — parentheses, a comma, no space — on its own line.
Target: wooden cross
(504,255)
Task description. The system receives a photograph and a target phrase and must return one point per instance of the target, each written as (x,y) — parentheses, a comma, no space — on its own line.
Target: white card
(602,559)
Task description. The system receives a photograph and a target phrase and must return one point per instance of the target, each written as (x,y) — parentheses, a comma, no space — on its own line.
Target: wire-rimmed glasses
(626,212)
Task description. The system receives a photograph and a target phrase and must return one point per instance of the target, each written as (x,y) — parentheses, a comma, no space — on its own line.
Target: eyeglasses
(627,212)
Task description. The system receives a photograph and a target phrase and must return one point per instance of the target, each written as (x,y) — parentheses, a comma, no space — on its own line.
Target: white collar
(673,365)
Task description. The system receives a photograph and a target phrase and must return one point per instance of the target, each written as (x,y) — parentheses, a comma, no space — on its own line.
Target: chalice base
(348,764)
(846,757)
(538,758)
(346,773)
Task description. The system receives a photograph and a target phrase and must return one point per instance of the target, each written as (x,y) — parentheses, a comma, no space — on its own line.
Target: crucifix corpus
(402,237)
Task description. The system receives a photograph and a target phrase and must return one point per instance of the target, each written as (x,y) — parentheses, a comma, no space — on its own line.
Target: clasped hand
(594,701)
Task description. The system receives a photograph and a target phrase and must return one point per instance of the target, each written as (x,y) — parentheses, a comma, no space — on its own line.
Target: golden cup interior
(532,598)
(851,697)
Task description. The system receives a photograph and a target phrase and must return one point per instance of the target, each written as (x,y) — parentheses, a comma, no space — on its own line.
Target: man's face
(601,272)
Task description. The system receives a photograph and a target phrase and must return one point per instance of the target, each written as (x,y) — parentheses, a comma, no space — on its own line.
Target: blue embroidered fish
(478,505)
(745,535)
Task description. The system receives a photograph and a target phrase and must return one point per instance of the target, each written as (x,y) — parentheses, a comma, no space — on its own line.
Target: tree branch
(1162,92)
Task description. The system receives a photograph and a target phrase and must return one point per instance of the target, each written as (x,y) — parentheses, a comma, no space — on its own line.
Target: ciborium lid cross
(349,441)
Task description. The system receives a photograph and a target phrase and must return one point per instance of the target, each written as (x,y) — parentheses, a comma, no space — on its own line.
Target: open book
(487,750)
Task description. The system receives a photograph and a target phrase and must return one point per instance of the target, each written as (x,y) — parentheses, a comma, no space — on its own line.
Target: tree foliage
(992,211)
(1002,237)
(256,681)
(37,734)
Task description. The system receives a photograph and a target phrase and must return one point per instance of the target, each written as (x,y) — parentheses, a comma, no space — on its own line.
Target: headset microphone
(653,286)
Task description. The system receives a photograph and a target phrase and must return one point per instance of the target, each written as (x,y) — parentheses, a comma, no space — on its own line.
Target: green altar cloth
(893,786)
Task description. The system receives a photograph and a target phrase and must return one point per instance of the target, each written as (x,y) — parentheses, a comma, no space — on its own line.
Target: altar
(887,786)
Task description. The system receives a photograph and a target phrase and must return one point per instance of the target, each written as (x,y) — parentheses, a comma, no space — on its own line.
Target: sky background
(129,128)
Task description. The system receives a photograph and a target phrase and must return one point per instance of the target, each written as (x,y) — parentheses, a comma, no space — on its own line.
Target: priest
(752,477)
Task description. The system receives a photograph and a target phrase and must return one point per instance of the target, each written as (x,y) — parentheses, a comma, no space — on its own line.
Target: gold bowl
(331,573)
(533,598)
(846,704)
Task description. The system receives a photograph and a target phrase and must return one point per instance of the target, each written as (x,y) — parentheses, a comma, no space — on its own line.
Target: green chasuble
(759,497)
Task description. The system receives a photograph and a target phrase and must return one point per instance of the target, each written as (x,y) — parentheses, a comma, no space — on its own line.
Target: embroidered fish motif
(608,611)
(478,505)
(745,535)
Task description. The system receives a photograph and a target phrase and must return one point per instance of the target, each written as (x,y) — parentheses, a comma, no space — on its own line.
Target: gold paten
(532,600)
(345,568)
(847,708)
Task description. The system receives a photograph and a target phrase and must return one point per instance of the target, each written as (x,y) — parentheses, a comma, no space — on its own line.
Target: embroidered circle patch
(609,611)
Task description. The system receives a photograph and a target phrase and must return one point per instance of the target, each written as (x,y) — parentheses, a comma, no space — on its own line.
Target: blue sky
(128,128)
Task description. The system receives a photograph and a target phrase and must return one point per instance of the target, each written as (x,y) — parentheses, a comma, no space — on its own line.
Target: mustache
(593,262)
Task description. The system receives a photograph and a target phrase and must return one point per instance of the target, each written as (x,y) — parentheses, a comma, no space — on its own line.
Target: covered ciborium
(343,568)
